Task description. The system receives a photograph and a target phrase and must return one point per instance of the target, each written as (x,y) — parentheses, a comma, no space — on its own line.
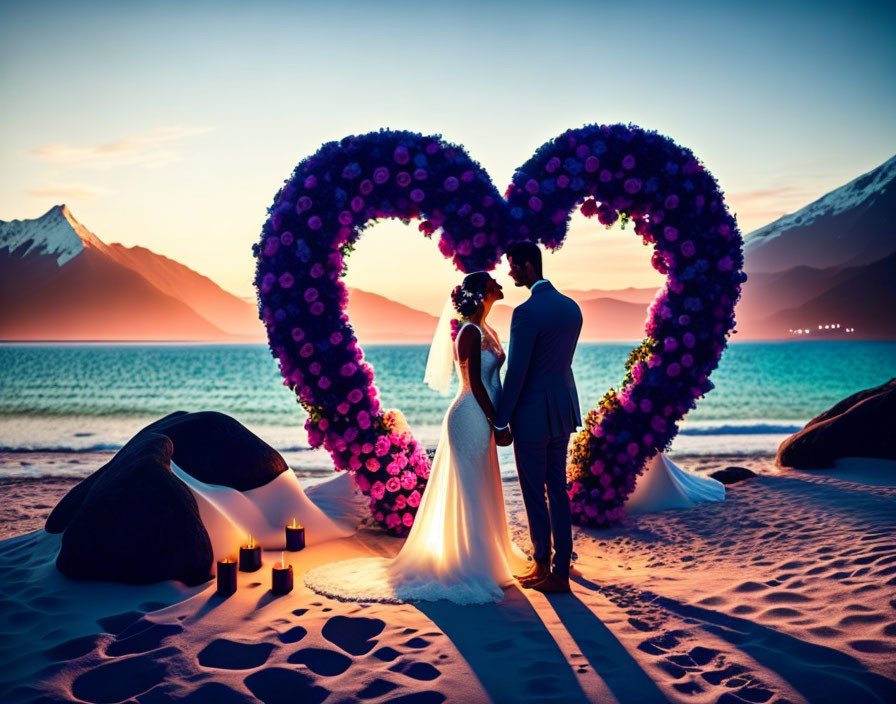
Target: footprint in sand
(353,634)
(277,685)
(293,635)
(141,637)
(122,679)
(225,654)
(117,623)
(74,648)
(321,661)
(416,670)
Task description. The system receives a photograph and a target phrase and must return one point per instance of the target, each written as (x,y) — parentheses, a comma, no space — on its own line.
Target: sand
(783,592)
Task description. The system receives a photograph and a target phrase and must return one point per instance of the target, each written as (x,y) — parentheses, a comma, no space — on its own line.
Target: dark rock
(218,449)
(859,426)
(133,521)
(732,475)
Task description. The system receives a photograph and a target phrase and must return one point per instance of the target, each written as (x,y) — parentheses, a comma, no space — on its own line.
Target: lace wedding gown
(459,547)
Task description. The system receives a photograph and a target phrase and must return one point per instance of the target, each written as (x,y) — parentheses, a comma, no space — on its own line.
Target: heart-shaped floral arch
(613,171)
(333,195)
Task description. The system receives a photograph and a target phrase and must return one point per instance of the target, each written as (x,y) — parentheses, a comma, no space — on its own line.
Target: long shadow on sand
(608,657)
(819,673)
(509,648)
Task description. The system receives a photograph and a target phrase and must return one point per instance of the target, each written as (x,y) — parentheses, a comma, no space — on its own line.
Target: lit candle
(281,576)
(295,536)
(226,576)
(250,556)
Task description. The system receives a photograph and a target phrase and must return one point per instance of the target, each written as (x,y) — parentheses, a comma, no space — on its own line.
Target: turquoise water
(88,397)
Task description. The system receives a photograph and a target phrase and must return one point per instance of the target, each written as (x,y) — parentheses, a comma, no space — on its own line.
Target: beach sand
(783,592)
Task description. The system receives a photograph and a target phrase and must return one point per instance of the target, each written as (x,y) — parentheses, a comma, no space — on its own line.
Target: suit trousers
(541,465)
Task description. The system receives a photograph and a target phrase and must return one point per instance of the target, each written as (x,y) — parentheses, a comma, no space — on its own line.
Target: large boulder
(861,425)
(133,521)
(218,449)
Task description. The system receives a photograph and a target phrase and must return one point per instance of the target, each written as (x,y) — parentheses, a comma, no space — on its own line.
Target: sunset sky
(172,125)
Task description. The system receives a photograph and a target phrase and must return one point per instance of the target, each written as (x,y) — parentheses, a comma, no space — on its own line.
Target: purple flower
(314,222)
(592,164)
(311,294)
(628,162)
(535,204)
(417,195)
(632,185)
(532,186)
(401,156)
(316,308)
(304,203)
(381,174)
(552,165)
(451,184)
(687,248)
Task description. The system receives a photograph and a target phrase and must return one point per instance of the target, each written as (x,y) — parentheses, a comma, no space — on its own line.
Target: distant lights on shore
(826,326)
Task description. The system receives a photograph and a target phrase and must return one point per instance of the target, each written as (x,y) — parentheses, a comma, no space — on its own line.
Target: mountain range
(832,262)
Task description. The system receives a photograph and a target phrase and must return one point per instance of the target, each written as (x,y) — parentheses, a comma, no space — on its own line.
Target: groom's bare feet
(552,584)
(536,574)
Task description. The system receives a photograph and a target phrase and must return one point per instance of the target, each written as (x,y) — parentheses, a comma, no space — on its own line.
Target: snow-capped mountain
(56,233)
(60,281)
(851,225)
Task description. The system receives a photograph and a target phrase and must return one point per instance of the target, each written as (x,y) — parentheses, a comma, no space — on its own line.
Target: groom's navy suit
(540,402)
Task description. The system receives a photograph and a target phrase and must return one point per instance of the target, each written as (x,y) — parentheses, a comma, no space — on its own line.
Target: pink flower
(286,280)
(307,350)
(605,480)
(392,484)
(632,449)
(323,383)
(355,395)
(314,222)
(465,248)
(316,308)
(479,240)
(381,175)
(348,369)
(597,468)
(365,187)
(414,499)
(323,424)
(477,219)
(298,334)
(403,178)
(393,520)
(354,464)
(310,182)
(408,480)
(311,294)
(392,468)
(372,465)
(383,444)
(287,239)
(343,408)
(314,368)
(363,420)
(407,519)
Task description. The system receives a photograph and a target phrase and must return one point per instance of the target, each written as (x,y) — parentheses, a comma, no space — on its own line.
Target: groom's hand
(503,437)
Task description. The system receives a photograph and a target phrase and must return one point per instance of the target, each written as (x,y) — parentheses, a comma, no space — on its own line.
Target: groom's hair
(522,252)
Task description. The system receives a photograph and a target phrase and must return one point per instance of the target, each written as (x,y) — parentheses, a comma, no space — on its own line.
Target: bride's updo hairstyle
(467,297)
(470,293)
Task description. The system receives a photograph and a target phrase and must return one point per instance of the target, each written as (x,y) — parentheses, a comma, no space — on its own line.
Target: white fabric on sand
(663,485)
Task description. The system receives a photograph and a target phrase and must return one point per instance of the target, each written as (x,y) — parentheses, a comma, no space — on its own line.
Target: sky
(172,125)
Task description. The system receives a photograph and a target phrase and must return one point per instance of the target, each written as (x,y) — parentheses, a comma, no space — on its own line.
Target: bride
(459,547)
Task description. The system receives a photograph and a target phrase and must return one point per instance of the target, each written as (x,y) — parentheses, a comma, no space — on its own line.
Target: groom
(540,405)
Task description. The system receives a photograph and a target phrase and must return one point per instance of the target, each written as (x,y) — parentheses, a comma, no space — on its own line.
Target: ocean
(65,407)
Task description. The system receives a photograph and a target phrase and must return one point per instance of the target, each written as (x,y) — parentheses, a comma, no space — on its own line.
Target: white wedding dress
(459,547)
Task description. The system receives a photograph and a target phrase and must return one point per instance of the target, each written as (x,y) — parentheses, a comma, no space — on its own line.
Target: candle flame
(282,560)
(293,521)
(251,541)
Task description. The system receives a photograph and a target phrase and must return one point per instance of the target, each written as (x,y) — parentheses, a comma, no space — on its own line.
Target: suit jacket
(539,398)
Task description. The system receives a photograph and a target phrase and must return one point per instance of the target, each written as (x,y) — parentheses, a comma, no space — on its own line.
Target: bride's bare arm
(469,357)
